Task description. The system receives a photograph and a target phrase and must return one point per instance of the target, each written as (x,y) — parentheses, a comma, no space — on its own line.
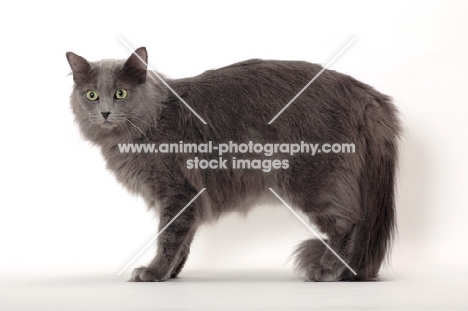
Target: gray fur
(350,197)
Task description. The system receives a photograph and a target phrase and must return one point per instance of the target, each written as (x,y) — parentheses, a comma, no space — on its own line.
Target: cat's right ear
(79,66)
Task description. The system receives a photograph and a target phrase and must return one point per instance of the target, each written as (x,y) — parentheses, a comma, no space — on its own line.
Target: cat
(348,196)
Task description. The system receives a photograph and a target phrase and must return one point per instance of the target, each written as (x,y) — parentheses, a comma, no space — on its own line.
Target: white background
(62,213)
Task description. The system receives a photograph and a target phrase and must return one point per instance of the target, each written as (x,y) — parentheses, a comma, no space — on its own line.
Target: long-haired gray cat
(348,196)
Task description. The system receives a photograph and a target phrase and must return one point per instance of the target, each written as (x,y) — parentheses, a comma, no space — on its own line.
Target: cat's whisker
(136,127)
(87,125)
(141,120)
(152,125)
(126,131)
(119,125)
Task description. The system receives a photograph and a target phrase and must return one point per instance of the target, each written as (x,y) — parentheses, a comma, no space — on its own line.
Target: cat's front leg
(173,243)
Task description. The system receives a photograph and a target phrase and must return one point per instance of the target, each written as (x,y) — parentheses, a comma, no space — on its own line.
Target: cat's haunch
(349,196)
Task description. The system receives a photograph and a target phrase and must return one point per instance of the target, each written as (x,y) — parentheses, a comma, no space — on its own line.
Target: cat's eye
(121,94)
(92,96)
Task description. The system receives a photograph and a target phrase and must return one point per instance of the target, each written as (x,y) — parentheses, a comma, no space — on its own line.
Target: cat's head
(112,97)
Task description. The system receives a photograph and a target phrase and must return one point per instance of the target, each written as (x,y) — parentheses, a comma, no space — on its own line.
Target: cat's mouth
(108,124)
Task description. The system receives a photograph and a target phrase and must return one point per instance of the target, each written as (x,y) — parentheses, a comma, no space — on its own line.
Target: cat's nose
(105,114)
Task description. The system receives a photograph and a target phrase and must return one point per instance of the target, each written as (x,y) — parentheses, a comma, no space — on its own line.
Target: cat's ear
(135,66)
(79,66)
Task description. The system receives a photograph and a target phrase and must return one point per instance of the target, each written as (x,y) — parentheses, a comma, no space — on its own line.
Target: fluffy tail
(308,252)
(368,241)
(372,238)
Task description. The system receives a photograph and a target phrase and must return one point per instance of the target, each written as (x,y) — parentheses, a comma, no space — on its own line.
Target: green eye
(121,94)
(92,96)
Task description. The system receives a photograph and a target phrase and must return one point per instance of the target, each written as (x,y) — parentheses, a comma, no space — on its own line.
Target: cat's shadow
(415,184)
(247,276)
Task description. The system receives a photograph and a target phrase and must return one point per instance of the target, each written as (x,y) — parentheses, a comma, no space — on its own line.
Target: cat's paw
(144,274)
(316,273)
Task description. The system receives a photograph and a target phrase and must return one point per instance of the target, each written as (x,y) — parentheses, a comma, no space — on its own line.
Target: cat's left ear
(79,66)
(135,66)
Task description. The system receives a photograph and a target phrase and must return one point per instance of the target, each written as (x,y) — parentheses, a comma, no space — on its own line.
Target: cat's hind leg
(335,209)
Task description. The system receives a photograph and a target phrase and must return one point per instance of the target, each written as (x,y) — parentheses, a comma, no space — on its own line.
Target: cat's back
(264,87)
(253,70)
(272,82)
(246,86)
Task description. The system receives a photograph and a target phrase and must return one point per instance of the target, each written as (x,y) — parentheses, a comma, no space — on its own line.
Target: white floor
(431,289)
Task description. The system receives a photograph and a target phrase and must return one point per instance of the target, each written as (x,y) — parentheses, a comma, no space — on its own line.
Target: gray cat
(349,196)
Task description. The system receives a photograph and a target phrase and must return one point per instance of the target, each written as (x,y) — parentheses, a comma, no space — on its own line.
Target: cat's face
(108,95)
